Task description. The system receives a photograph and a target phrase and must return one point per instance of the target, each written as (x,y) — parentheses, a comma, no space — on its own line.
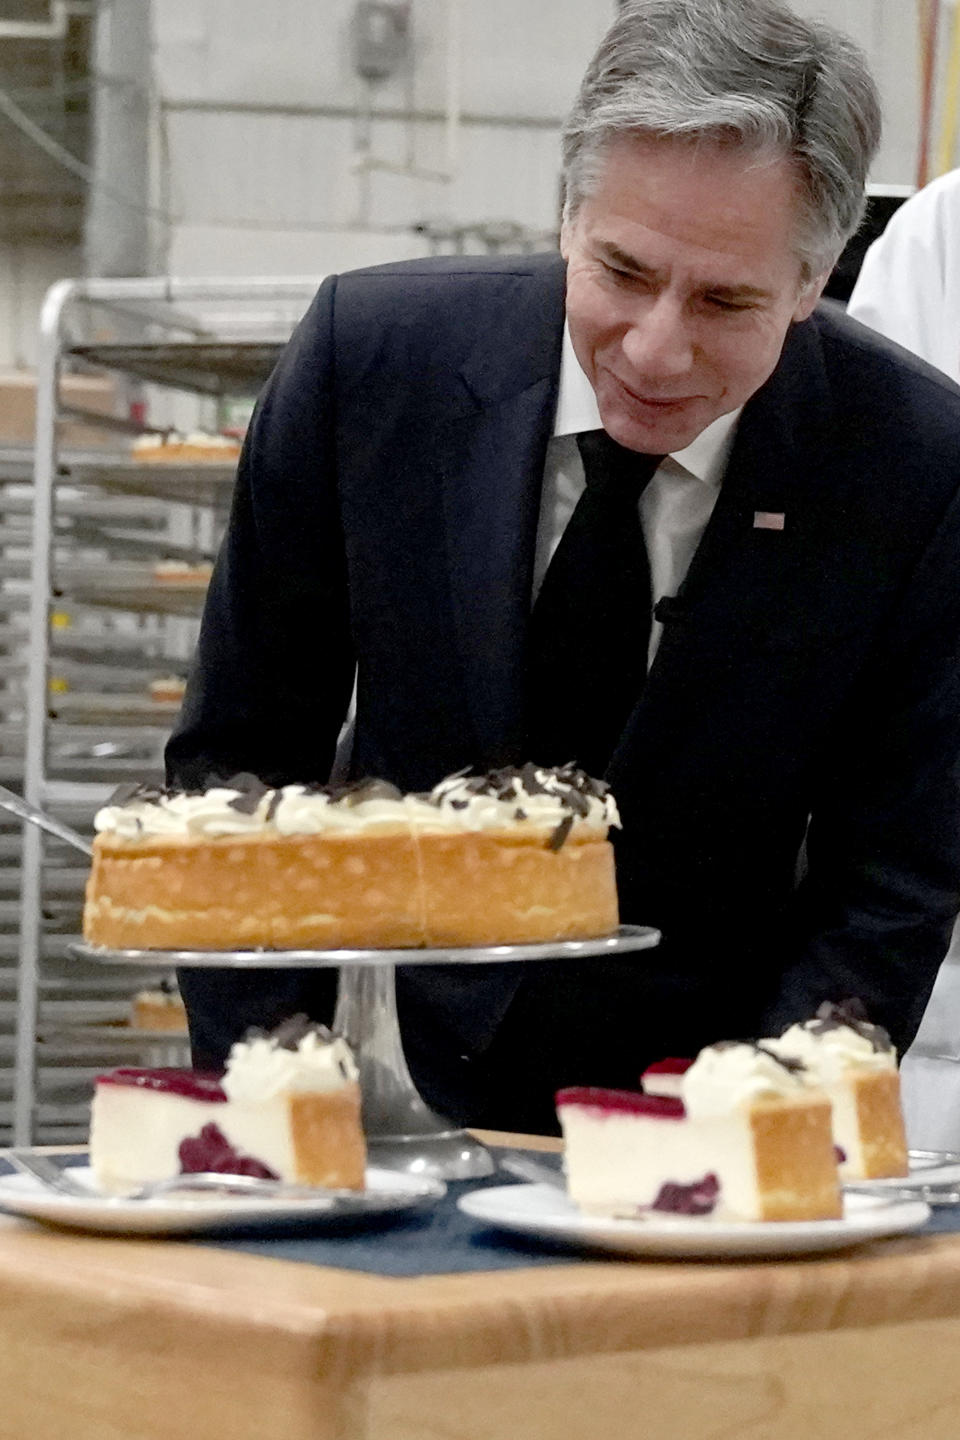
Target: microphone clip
(669,609)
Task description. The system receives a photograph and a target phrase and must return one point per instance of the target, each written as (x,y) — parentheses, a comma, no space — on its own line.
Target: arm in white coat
(909,285)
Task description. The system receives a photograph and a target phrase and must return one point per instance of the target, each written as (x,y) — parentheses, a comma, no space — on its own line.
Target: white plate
(925,1169)
(545,1212)
(387,1193)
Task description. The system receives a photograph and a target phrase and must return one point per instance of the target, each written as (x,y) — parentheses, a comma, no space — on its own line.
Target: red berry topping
(633,1102)
(211,1152)
(670,1066)
(699,1198)
(192,1084)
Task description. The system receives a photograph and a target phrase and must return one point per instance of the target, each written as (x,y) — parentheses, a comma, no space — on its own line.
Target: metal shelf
(106,709)
(100,521)
(199,484)
(128,587)
(209,367)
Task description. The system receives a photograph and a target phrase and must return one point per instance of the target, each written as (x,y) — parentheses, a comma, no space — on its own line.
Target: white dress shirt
(674,507)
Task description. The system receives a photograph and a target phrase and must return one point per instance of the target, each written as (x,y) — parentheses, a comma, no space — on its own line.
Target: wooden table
(106,1339)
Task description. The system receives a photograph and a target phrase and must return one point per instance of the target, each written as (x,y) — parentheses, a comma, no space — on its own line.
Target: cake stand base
(445,1155)
(403,1133)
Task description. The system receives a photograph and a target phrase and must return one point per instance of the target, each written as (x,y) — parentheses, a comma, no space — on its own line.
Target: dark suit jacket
(788,780)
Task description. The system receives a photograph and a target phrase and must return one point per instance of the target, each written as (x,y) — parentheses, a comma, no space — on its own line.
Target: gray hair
(745,73)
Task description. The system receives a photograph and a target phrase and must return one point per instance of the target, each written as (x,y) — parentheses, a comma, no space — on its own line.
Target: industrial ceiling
(45,90)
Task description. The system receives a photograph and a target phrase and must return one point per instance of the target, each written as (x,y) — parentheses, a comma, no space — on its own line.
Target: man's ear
(809,296)
(565,237)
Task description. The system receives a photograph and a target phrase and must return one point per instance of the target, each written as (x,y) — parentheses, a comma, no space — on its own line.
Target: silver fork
(524,1167)
(251,1185)
(47,1171)
(932,1194)
(56,1177)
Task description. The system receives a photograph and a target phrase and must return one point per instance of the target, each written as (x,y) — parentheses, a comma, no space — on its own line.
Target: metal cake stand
(403,1133)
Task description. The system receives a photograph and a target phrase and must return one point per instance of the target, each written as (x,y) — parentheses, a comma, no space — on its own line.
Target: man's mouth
(662,403)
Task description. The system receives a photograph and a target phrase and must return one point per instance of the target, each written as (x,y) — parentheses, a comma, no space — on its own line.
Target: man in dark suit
(787,771)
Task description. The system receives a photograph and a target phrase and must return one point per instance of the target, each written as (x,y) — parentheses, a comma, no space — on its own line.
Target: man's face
(682,283)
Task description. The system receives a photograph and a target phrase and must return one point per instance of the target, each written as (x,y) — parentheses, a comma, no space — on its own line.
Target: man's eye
(616,272)
(718,302)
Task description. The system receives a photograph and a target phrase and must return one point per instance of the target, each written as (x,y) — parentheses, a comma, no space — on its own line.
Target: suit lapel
(740,567)
(748,586)
(492,455)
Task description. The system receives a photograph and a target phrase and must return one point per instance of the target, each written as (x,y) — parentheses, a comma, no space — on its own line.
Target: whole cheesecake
(517,856)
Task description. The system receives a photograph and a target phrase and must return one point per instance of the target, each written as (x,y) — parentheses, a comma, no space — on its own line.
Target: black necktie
(590,627)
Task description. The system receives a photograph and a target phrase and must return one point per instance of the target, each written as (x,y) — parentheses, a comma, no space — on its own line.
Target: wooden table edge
(358,1321)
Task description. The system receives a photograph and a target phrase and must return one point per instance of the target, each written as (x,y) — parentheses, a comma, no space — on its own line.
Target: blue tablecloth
(438,1240)
(434,1240)
(443,1241)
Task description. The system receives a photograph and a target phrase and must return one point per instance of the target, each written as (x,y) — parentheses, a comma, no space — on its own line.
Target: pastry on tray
(199,447)
(179,572)
(159,1010)
(167,689)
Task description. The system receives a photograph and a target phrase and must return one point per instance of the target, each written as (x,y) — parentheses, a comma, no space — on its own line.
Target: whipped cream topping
(726,1078)
(215,812)
(299,1057)
(307,810)
(554,801)
(828,1055)
(548,798)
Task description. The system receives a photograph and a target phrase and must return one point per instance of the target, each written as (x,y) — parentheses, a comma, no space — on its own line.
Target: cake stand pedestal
(403,1133)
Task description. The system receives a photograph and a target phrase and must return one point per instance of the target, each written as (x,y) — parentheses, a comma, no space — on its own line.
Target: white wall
(259,119)
(262,122)
(27,270)
(888,31)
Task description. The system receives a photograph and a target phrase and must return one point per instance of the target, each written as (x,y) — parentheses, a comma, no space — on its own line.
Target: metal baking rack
(85,624)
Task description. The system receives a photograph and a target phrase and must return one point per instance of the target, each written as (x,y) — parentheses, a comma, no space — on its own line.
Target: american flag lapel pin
(768,519)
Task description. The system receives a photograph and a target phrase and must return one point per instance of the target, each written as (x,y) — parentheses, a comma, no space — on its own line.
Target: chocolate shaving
(124,793)
(531,781)
(129,792)
(559,835)
(789,1062)
(289,1034)
(250,793)
(850,1014)
(355,792)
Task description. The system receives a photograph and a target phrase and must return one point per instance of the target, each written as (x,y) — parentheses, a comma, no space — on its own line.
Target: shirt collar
(577,411)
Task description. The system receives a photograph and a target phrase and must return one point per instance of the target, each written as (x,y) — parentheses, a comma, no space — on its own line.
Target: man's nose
(659,342)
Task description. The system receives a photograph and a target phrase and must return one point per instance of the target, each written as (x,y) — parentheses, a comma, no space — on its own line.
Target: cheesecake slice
(288,1108)
(665,1077)
(855,1063)
(747,1141)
